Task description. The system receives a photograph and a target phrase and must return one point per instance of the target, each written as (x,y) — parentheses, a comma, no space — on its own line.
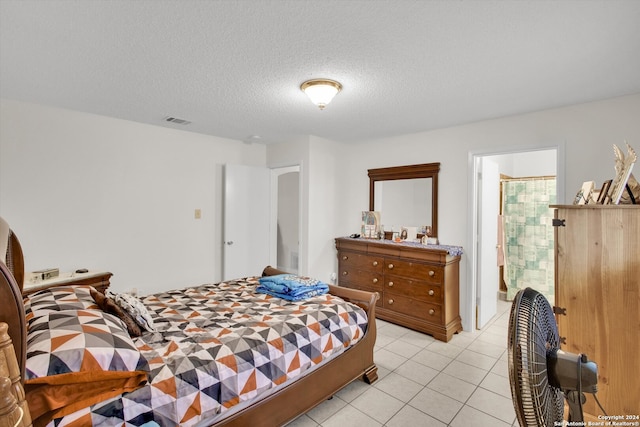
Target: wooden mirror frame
(425,170)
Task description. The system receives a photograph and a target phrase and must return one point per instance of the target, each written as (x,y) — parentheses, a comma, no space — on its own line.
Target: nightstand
(97,279)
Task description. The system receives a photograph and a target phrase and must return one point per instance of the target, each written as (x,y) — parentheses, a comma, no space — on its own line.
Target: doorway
(285,224)
(252,241)
(537,161)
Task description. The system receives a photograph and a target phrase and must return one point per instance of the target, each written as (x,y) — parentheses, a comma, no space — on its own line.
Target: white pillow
(135,308)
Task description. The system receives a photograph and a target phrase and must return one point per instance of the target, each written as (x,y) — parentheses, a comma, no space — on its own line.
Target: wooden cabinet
(97,279)
(418,285)
(598,284)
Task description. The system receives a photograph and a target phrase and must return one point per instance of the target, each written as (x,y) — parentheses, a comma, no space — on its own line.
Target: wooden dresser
(598,284)
(418,285)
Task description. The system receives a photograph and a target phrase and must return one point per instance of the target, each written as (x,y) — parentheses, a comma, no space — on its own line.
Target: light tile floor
(424,382)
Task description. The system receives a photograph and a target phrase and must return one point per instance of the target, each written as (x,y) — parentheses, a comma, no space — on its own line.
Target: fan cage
(533,334)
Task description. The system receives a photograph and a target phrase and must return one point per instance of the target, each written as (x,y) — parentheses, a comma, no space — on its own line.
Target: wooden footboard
(306,393)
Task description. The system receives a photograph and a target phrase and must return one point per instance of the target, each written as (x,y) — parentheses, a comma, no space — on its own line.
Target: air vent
(177,120)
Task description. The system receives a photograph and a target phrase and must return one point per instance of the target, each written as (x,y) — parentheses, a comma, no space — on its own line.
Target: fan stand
(540,373)
(575,399)
(573,374)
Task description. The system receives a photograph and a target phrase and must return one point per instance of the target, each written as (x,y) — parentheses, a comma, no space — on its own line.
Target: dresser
(597,298)
(418,284)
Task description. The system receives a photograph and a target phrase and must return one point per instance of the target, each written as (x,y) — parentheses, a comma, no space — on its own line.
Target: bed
(195,327)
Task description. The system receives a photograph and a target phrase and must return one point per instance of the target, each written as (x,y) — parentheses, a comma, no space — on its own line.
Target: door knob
(230,242)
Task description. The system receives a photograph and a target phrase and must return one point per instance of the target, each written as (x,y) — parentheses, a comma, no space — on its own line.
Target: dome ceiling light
(321,91)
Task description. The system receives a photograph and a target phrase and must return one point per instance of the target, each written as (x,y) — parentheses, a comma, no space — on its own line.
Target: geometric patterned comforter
(222,344)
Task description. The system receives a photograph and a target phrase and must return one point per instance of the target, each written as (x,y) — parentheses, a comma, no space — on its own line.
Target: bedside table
(97,279)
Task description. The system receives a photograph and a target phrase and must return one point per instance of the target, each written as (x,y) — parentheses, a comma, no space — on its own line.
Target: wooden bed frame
(276,409)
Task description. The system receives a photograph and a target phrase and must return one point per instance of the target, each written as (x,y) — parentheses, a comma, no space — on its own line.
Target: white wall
(324,209)
(531,163)
(321,162)
(82,190)
(586,131)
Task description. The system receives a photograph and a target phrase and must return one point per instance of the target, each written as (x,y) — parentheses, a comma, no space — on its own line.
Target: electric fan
(539,372)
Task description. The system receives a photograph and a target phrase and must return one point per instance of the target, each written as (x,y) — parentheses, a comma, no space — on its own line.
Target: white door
(246,221)
(488,211)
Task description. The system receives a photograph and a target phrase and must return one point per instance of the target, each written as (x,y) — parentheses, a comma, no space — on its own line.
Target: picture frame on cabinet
(603,197)
(579,197)
(584,194)
(620,183)
(624,166)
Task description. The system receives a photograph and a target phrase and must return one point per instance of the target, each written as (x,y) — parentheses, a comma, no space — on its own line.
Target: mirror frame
(425,170)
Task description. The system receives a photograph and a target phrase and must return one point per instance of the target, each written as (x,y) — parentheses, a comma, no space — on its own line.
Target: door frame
(474,232)
(487,217)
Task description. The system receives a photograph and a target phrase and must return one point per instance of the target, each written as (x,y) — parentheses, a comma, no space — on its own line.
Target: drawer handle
(390,266)
(375,280)
(375,263)
(344,273)
(390,284)
(431,292)
(344,258)
(431,311)
(390,301)
(432,273)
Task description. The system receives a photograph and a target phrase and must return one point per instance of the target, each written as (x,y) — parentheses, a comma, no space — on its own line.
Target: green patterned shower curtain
(528,235)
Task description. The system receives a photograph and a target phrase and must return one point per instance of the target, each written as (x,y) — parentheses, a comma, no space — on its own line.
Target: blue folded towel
(291,287)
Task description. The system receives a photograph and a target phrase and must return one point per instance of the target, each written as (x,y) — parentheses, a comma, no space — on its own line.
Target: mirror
(406,195)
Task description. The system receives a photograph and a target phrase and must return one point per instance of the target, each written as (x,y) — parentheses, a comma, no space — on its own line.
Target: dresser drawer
(412,307)
(418,289)
(354,260)
(361,278)
(427,272)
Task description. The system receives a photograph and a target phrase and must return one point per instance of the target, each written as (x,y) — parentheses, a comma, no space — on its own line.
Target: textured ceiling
(234,68)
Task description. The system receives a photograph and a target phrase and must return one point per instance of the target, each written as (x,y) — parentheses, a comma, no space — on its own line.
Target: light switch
(197,214)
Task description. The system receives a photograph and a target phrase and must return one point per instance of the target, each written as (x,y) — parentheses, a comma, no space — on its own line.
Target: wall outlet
(333,277)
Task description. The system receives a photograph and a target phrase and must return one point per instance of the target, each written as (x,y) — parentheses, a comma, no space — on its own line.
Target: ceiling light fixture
(321,91)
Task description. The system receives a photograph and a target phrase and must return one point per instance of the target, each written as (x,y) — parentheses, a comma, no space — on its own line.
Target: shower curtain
(528,235)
